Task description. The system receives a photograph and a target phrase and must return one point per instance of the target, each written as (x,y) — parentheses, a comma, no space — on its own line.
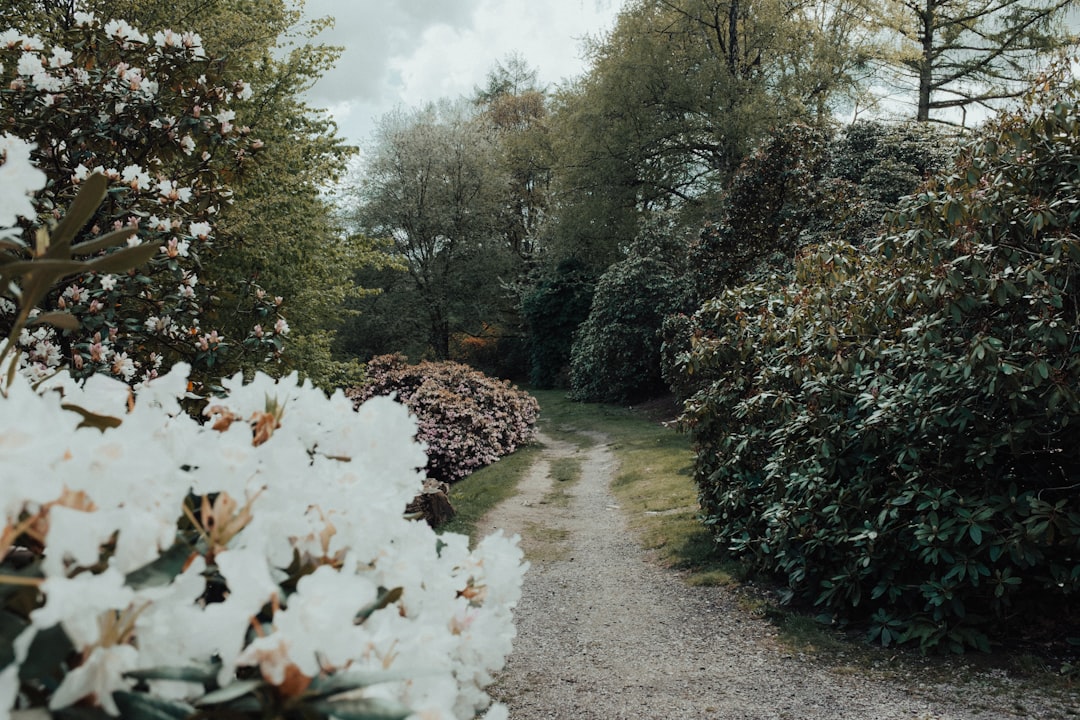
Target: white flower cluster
(112,95)
(19,179)
(283,473)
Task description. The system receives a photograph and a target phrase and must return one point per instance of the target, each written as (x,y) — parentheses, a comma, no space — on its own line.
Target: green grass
(654,483)
(473,496)
(655,487)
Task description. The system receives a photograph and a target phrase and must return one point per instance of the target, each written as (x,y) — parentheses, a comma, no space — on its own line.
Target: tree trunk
(928,18)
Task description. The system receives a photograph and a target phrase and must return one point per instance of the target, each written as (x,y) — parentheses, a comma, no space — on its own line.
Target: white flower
(12,38)
(318,623)
(19,179)
(84,19)
(135,177)
(193,43)
(200,230)
(77,602)
(166,38)
(225,117)
(312,479)
(281,327)
(30,64)
(108,282)
(120,30)
(100,676)
(187,145)
(60,57)
(171,192)
(123,366)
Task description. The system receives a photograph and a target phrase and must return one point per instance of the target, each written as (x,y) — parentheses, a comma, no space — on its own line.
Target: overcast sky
(410,52)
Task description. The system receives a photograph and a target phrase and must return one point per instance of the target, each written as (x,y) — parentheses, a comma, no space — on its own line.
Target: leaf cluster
(616,352)
(551,311)
(893,432)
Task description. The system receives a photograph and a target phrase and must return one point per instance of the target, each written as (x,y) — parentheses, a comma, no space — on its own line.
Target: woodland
(844,234)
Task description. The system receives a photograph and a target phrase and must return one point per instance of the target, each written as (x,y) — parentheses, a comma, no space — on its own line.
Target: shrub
(893,432)
(466,419)
(154,116)
(616,352)
(552,312)
(254,565)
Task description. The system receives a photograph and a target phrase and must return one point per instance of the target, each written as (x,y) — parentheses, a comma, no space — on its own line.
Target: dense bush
(466,419)
(894,433)
(551,311)
(802,186)
(154,115)
(616,352)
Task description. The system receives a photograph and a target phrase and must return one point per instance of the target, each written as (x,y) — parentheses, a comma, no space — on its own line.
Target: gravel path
(605,634)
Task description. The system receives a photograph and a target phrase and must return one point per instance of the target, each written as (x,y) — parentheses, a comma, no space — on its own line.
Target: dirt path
(605,634)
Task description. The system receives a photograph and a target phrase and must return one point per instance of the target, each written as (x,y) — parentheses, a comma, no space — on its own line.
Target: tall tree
(432,184)
(955,54)
(516,108)
(677,94)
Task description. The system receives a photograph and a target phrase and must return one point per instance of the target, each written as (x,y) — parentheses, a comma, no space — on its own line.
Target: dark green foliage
(881,164)
(768,204)
(893,433)
(616,353)
(551,312)
(800,187)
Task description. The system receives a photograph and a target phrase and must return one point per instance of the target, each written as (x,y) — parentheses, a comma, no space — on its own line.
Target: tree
(516,109)
(433,186)
(677,95)
(616,351)
(963,53)
(279,231)
(892,432)
(153,116)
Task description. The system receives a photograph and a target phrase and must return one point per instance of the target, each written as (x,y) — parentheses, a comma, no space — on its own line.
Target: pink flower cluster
(466,419)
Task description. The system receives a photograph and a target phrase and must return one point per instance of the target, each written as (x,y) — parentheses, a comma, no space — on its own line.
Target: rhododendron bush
(152,115)
(466,419)
(253,564)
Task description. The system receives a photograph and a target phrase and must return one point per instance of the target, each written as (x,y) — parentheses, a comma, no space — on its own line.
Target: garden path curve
(605,634)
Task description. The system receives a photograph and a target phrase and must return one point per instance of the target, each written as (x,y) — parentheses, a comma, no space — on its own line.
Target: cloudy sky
(410,52)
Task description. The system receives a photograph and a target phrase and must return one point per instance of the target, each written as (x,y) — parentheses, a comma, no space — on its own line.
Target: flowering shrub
(466,419)
(152,115)
(253,565)
(258,560)
(893,433)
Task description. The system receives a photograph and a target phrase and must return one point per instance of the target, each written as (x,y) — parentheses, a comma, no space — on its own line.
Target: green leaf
(61,320)
(363,709)
(91,419)
(47,652)
(204,673)
(11,626)
(124,260)
(108,240)
(233,691)
(163,570)
(386,597)
(140,706)
(79,214)
(342,682)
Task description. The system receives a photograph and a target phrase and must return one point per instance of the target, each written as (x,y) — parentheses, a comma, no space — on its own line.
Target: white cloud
(410,52)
